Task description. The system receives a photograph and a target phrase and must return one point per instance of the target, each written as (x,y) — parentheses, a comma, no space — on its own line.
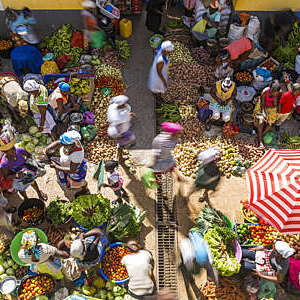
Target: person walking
(158,77)
(154,15)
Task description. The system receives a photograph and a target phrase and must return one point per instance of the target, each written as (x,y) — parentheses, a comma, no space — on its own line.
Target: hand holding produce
(36,286)
(111,263)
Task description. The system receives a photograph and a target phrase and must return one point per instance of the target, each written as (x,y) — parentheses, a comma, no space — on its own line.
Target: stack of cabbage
(7,267)
(34,141)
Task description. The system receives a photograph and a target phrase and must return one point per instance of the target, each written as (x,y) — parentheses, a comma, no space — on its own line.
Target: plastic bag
(267,290)
(88,118)
(200,26)
(88,132)
(97,39)
(253,29)
(149,179)
(236,32)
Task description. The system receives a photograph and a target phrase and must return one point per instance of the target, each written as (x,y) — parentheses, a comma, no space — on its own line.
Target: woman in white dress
(158,78)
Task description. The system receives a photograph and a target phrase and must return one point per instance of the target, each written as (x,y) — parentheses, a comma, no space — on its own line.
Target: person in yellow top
(38,104)
(222,95)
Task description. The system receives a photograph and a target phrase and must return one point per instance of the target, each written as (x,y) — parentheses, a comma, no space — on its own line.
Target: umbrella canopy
(274,189)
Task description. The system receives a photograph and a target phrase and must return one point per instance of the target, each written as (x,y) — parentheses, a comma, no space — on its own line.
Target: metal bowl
(76,117)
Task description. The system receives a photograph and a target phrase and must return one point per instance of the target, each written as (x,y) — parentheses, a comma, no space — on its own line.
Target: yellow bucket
(125,28)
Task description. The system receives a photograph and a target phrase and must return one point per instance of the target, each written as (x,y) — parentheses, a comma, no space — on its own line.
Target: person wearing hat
(92,32)
(61,102)
(139,265)
(42,258)
(158,77)
(222,95)
(71,166)
(119,117)
(13,163)
(38,105)
(270,264)
(266,109)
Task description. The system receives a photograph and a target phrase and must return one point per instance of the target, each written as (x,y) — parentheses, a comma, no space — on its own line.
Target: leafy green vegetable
(220,241)
(208,218)
(91,211)
(33,130)
(126,221)
(58,212)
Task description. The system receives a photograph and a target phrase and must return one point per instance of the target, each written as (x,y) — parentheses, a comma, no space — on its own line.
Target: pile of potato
(292,239)
(187,111)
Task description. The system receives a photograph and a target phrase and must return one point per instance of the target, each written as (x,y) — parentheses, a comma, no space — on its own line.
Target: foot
(11,210)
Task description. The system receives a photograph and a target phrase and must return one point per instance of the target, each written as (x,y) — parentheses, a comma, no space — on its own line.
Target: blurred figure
(154,15)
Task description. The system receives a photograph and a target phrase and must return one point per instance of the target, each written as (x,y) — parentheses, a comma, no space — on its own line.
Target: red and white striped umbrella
(274,189)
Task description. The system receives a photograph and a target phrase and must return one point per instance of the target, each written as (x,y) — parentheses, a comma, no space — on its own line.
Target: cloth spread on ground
(138,266)
(239,47)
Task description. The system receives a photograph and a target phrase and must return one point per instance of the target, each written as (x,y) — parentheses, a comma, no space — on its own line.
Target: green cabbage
(25,137)
(109,285)
(38,150)
(110,296)
(30,147)
(3,276)
(10,262)
(5,265)
(91,211)
(35,141)
(20,145)
(10,271)
(2,270)
(43,139)
(38,135)
(33,130)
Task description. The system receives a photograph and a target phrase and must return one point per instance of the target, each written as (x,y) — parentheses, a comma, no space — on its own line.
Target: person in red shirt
(287,101)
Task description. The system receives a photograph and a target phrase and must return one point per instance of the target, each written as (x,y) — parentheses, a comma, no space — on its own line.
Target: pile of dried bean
(201,56)
(180,94)
(110,57)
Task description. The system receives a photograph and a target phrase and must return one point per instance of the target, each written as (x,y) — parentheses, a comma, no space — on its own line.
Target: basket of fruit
(243,78)
(270,64)
(32,211)
(5,48)
(111,267)
(36,285)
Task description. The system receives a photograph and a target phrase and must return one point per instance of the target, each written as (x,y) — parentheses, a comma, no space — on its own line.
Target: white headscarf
(284,249)
(31,85)
(76,249)
(70,137)
(167,46)
(119,100)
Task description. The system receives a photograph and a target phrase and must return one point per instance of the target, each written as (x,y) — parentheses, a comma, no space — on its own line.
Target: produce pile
(79,86)
(7,266)
(232,153)
(247,213)
(55,235)
(33,214)
(290,142)
(123,49)
(168,113)
(186,76)
(243,76)
(292,239)
(5,45)
(187,111)
(34,141)
(58,212)
(256,234)
(91,211)
(111,263)
(36,286)
(287,54)
(126,221)
(220,241)
(59,43)
(226,290)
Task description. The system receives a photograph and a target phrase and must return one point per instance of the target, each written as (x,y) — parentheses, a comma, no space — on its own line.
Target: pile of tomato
(252,234)
(36,286)
(32,214)
(111,263)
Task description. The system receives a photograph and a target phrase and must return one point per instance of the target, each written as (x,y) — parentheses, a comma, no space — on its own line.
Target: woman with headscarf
(270,264)
(139,265)
(41,257)
(154,15)
(158,77)
(163,146)
(266,110)
(13,163)
(38,104)
(71,165)
(119,117)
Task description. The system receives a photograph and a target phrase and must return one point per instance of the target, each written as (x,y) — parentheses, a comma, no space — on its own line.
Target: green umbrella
(16,244)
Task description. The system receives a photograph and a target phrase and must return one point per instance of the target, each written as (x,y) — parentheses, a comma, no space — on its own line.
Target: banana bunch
(290,142)
(187,111)
(123,48)
(168,113)
(79,86)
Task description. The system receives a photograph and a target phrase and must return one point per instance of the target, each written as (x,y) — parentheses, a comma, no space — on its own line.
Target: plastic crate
(235,229)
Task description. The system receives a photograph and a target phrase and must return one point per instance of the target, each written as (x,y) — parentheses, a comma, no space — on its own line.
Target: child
(114,179)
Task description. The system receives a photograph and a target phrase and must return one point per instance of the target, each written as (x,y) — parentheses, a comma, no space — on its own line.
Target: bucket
(9,285)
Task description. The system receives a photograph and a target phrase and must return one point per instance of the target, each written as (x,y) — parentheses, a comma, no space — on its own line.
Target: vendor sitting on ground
(43,113)
(224,68)
(270,264)
(139,266)
(222,95)
(86,248)
(239,51)
(40,256)
(266,110)
(59,100)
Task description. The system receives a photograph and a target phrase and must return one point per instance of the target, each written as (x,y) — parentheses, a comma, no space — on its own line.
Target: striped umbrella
(274,189)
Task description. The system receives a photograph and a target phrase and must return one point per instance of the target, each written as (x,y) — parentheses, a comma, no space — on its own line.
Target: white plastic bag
(236,32)
(253,29)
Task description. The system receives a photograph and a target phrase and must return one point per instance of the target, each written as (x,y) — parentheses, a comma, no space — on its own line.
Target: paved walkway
(136,75)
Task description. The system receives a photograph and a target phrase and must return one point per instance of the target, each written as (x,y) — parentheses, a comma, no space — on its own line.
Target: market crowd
(246,83)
